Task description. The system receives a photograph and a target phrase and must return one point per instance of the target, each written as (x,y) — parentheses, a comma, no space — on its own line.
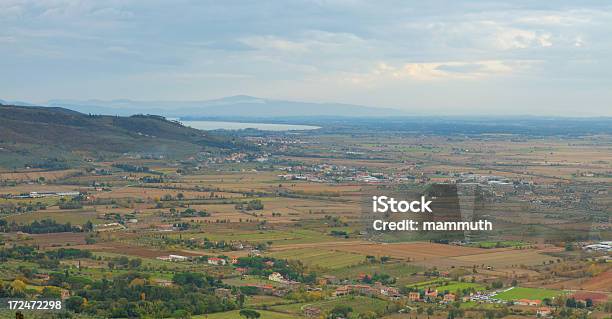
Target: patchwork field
(505,258)
(329,259)
(416,251)
(546,198)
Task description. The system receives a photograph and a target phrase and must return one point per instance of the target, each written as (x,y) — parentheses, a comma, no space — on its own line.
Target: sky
(425,57)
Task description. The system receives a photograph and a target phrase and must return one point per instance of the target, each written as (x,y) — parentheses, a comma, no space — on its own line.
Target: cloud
(333,49)
(307,42)
(438,71)
(513,38)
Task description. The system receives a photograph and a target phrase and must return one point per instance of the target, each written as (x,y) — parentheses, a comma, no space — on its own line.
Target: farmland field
(528,293)
(321,258)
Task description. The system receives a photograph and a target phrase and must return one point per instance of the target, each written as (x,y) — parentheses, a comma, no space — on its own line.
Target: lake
(219,125)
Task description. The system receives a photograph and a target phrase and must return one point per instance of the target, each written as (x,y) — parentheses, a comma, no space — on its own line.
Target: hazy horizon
(434,58)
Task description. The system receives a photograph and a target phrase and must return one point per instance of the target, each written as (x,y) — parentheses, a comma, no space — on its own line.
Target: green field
(498,244)
(528,293)
(75,216)
(328,259)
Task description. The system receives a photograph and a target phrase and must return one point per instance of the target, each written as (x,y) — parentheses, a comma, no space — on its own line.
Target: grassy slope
(39,134)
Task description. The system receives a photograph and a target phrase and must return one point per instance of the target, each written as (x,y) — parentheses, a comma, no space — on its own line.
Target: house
(216,261)
(391,292)
(432,294)
(173,258)
(312,312)
(163,282)
(414,296)
(269,263)
(528,302)
(276,277)
(544,312)
(234,260)
(42,277)
(449,298)
(342,291)
(328,279)
(178,258)
(363,290)
(280,292)
(223,292)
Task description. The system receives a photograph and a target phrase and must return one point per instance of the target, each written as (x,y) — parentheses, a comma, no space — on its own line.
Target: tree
(249,314)
(430,312)
(51,292)
(181,314)
(74,303)
(135,263)
(497,284)
(88,226)
(340,311)
(241,300)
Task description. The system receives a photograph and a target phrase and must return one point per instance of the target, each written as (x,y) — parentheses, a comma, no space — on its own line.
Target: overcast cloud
(427,57)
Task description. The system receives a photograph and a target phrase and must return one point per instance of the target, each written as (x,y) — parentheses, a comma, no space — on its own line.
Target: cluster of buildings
(377,289)
(215,261)
(174,258)
(431,295)
(604,246)
(277,277)
(238,157)
(43,194)
(115,226)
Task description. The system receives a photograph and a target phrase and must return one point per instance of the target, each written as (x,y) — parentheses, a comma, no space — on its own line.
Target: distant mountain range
(239,106)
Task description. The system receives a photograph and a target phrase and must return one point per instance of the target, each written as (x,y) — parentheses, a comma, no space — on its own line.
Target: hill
(242,106)
(53,137)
